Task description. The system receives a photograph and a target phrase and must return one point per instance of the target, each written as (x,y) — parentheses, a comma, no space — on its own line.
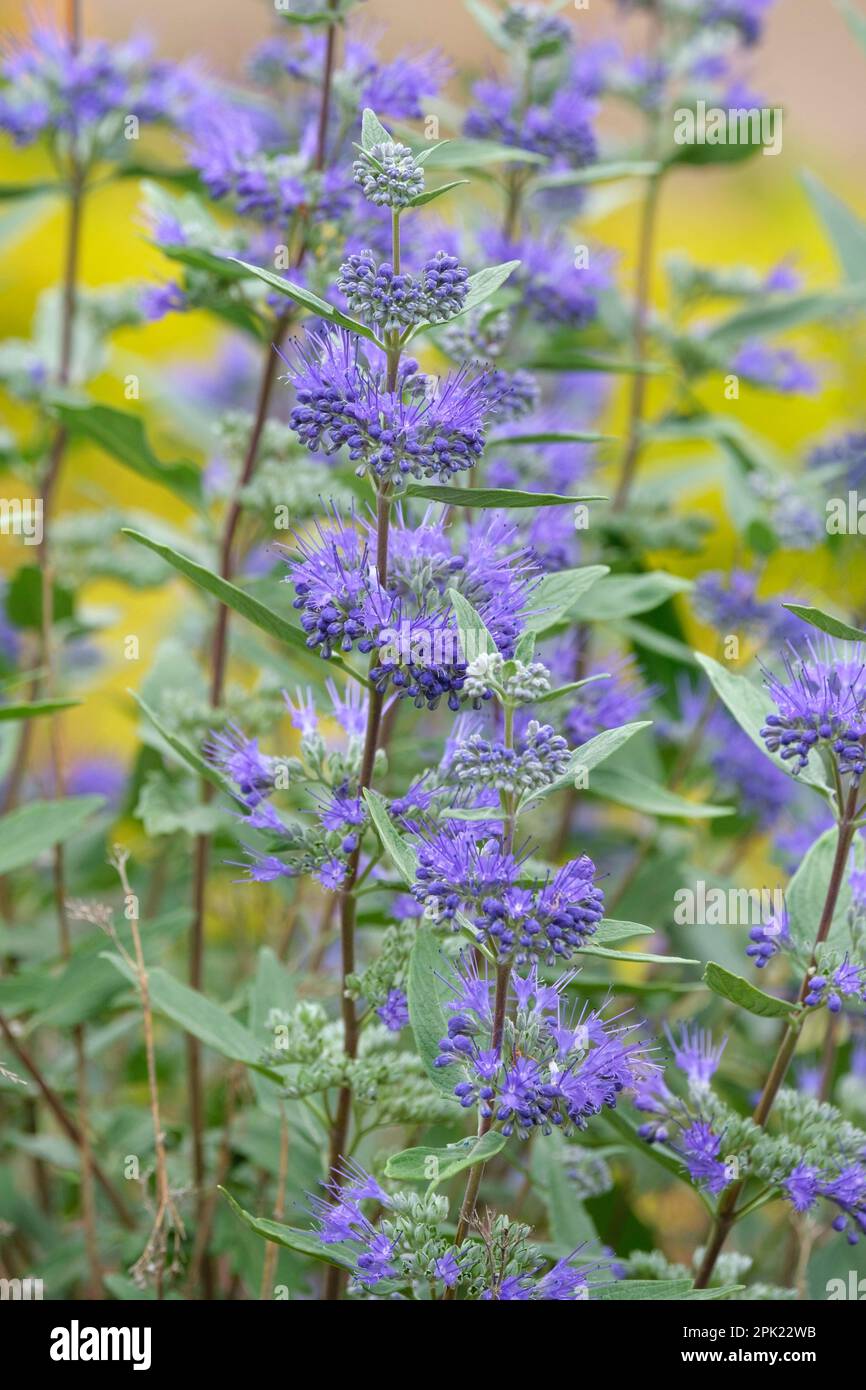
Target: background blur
(757,214)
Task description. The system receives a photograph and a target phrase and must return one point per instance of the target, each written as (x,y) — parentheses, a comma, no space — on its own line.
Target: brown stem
(167,1214)
(637,400)
(65,1120)
(473,1183)
(271,1249)
(727,1214)
(219,657)
(349,902)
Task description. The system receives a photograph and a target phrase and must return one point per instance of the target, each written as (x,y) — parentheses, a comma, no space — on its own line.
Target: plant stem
(470,1197)
(349,901)
(166,1211)
(65,1120)
(727,1215)
(219,658)
(646,252)
(271,1250)
(637,401)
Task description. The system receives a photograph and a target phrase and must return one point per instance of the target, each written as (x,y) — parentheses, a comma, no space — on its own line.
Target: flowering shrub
(427,740)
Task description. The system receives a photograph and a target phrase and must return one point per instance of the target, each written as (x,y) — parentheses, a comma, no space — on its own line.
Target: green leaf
(220,267)
(643,1289)
(652,640)
(476,154)
(490,22)
(12,192)
(123,436)
(185,752)
(372,130)
(656,1153)
(750,709)
(302,1242)
(732,152)
(484,283)
(844,228)
(744,994)
(475,640)
(834,626)
(426,1014)
(430,194)
(584,360)
(783,313)
(31,830)
(233,597)
(671,1290)
(570,1224)
(586,757)
(569,689)
(168,806)
(24,599)
(35,709)
(807,893)
(557,594)
(196,1014)
(307,300)
(610,929)
(485,497)
(435,1166)
(507,441)
(635,957)
(273,988)
(855,20)
(624,595)
(642,794)
(399,850)
(601,173)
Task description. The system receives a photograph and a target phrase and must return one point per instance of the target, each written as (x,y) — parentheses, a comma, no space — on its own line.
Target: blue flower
(240,759)
(389,175)
(700,1151)
(769,938)
(695,1055)
(342,401)
(394,1013)
(820,704)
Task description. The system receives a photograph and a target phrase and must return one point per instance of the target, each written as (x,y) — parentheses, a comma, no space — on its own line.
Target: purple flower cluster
(231,153)
(820,704)
(343,400)
(394,1013)
(392,303)
(389,175)
(681,1124)
(397,88)
(729,602)
(845,1190)
(241,761)
(847,981)
(554,1069)
(768,939)
(51,87)
(560,129)
(549,922)
(341,601)
(774,369)
(619,698)
(536,760)
(555,286)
